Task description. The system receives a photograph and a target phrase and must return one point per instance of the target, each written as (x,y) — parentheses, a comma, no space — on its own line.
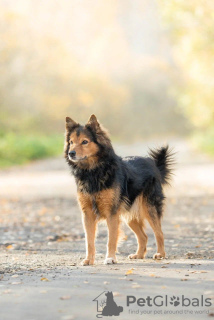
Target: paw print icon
(174,301)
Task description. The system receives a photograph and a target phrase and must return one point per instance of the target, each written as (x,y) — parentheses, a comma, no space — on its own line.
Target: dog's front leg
(113,223)
(90,225)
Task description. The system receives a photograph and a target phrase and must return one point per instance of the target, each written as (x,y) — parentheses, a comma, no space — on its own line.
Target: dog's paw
(159,256)
(110,261)
(136,256)
(87,262)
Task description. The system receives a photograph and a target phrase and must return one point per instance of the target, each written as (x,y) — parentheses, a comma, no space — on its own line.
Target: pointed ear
(93,123)
(69,123)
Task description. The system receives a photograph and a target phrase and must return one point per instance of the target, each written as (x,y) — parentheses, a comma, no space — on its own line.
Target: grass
(19,148)
(205,141)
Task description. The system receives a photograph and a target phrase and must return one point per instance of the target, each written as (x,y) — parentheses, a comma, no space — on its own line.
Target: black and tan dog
(114,188)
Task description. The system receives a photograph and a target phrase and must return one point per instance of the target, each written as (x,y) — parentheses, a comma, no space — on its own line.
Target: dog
(111,308)
(113,188)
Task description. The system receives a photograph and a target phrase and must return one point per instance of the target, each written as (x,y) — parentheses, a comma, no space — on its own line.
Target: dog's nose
(72,153)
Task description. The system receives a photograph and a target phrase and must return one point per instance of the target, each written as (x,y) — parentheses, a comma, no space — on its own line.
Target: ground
(42,245)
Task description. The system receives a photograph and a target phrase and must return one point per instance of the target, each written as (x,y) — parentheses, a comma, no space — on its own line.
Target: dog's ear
(69,123)
(93,123)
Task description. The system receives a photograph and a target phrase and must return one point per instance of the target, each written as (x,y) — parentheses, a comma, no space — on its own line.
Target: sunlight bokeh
(144,68)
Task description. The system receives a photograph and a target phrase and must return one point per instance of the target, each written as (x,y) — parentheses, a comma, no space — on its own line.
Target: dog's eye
(84,142)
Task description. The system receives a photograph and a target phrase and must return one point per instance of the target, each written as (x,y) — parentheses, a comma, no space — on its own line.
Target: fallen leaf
(9,247)
(65,297)
(130,271)
(44,279)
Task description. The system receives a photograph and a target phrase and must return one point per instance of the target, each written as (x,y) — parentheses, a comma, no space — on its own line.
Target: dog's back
(111,187)
(146,177)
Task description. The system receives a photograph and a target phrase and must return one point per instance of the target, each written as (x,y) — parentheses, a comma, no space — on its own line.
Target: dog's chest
(101,203)
(94,181)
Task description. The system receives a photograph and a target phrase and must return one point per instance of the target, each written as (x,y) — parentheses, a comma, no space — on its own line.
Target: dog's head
(109,295)
(84,145)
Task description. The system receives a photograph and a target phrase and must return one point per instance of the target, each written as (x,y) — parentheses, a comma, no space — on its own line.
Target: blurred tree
(72,58)
(191,24)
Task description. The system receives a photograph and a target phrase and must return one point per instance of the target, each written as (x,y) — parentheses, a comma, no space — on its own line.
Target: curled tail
(164,160)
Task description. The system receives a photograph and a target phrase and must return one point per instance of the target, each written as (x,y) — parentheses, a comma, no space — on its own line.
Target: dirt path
(42,244)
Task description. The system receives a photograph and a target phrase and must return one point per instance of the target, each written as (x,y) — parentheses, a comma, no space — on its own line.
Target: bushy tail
(164,160)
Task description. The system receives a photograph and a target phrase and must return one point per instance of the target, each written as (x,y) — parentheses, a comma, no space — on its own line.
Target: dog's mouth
(76,159)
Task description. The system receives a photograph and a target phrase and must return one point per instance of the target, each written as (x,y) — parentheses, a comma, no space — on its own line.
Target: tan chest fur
(101,202)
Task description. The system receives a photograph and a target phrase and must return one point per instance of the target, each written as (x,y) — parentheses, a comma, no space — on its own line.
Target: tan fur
(135,219)
(105,199)
(69,123)
(86,150)
(105,204)
(82,150)
(101,133)
(138,227)
(155,224)
(90,225)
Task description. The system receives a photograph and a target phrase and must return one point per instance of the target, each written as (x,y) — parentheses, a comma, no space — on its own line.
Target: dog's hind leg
(155,222)
(113,222)
(137,227)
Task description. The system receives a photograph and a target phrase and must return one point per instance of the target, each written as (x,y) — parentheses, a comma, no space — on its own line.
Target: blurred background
(144,67)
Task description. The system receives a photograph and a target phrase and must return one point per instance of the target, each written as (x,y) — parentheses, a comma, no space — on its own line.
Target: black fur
(163,158)
(133,175)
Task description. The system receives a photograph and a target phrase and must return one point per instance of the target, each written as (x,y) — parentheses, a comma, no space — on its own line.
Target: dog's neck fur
(97,178)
